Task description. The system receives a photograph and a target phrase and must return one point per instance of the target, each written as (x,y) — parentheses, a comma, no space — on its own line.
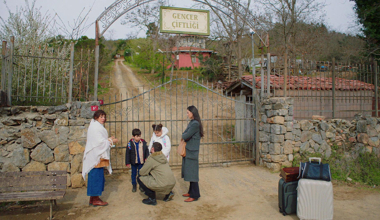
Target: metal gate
(228,121)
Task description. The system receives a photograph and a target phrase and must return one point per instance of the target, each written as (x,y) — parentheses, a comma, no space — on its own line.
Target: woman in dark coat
(190,163)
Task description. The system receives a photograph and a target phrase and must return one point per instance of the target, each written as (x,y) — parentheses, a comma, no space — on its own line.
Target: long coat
(157,175)
(190,163)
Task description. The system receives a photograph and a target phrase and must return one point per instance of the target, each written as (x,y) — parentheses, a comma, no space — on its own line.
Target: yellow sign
(184,21)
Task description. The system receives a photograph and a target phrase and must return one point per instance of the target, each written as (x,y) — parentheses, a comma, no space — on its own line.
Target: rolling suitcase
(315,199)
(287,197)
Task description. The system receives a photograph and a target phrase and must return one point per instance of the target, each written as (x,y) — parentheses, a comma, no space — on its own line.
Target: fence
(330,89)
(45,75)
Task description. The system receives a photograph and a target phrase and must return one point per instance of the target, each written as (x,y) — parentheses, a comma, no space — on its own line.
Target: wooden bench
(31,186)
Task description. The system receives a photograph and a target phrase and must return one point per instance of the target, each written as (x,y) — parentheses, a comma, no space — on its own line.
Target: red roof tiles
(309,83)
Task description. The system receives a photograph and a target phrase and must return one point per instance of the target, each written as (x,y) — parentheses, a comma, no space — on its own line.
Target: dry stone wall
(45,139)
(282,139)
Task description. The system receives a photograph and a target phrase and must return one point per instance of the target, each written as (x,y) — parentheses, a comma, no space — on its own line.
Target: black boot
(169,197)
(149,201)
(141,189)
(134,188)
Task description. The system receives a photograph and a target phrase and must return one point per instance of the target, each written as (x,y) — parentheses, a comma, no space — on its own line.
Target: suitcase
(287,197)
(315,199)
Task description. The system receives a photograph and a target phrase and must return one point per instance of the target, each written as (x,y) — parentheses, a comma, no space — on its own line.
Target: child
(160,135)
(136,154)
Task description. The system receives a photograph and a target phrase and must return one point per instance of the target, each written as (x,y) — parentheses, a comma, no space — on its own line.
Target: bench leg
(55,202)
(51,209)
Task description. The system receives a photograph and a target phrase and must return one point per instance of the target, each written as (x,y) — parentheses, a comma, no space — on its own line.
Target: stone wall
(45,139)
(282,139)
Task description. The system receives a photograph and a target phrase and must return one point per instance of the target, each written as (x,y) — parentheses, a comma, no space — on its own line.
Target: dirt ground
(241,191)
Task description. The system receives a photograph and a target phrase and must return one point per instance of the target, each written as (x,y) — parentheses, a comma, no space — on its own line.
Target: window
(193,59)
(177,57)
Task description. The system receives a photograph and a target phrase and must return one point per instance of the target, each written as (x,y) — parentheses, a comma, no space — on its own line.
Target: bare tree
(286,15)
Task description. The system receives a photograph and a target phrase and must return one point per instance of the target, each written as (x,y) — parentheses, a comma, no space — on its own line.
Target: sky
(339,16)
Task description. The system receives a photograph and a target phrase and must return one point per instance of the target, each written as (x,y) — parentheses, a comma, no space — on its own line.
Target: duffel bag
(315,171)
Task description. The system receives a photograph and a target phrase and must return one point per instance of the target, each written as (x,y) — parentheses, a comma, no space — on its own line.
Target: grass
(364,169)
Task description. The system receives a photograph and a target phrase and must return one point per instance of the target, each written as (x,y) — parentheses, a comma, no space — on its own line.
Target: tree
(368,12)
(286,15)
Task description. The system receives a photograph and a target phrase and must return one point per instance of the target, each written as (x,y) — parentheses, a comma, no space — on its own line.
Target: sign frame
(185,32)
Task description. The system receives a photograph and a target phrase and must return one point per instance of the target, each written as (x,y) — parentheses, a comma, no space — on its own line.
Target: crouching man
(156,176)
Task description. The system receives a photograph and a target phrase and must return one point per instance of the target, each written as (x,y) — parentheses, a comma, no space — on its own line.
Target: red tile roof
(193,49)
(307,83)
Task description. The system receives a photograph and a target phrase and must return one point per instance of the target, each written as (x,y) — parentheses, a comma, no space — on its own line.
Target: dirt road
(236,192)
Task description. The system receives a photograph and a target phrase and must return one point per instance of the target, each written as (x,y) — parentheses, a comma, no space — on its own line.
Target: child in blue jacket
(136,154)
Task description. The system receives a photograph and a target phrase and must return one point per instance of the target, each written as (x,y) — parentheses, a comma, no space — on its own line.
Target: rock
(267,107)
(288,147)
(76,164)
(305,125)
(363,138)
(79,122)
(34,166)
(276,120)
(371,121)
(287,164)
(265,147)
(297,132)
(42,153)
(361,126)
(9,167)
(371,132)
(85,111)
(352,139)
(78,132)
(68,183)
(61,153)
(267,127)
(278,106)
(62,119)
(51,117)
(374,142)
(274,166)
(60,108)
(288,118)
(264,118)
(77,181)
(317,138)
(263,137)
(277,129)
(318,117)
(77,147)
(277,138)
(306,136)
(63,132)
(323,134)
(289,136)
(50,138)
(20,156)
(279,158)
(368,149)
(378,128)
(324,126)
(330,135)
(8,122)
(291,111)
(328,152)
(324,146)
(29,138)
(349,179)
(290,157)
(274,148)
(58,166)
(304,147)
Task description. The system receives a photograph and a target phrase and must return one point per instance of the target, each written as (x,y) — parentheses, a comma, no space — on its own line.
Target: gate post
(96,61)
(71,72)
(376,89)
(10,73)
(3,67)
(333,87)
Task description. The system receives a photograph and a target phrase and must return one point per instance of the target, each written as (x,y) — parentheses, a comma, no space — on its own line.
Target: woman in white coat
(160,135)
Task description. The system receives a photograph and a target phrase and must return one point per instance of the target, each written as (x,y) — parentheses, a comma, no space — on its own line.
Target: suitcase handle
(315,158)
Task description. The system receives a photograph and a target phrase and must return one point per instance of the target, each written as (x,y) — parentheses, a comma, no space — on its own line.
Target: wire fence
(45,75)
